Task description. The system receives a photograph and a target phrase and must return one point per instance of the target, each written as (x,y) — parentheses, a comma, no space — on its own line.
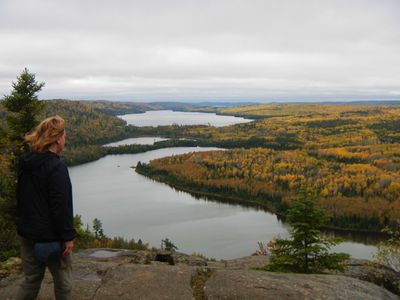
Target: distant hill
(119,108)
(223,104)
(361,102)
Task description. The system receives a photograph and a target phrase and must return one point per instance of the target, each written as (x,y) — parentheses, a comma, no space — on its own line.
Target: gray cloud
(204,50)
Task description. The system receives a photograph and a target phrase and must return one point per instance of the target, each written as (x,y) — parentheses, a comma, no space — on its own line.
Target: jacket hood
(33,160)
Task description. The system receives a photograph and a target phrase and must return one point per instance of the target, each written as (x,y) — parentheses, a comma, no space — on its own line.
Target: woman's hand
(69,246)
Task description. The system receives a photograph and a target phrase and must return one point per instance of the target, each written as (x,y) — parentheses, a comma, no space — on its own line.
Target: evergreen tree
(23,106)
(98,229)
(168,245)
(307,251)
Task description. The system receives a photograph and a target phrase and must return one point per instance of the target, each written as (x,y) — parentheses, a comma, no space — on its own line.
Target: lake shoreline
(270,207)
(134,206)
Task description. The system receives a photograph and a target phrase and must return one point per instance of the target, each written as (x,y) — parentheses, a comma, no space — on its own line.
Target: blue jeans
(34,272)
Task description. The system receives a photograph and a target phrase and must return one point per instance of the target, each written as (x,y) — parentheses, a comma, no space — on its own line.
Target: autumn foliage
(349,154)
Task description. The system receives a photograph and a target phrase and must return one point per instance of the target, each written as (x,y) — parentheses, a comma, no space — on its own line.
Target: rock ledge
(126,274)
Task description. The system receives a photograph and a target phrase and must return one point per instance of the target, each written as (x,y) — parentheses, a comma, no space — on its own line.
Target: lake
(133,206)
(169,117)
(140,141)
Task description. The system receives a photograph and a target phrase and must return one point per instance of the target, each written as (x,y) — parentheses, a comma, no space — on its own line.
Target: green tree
(388,252)
(23,106)
(307,251)
(3,139)
(168,245)
(98,229)
(9,243)
(83,235)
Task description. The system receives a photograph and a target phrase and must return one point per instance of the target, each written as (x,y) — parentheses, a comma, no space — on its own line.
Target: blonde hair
(45,134)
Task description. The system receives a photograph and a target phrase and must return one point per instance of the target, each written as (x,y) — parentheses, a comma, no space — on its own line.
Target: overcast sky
(205,50)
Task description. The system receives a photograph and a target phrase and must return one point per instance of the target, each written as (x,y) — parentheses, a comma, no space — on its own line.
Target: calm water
(141,141)
(169,117)
(133,206)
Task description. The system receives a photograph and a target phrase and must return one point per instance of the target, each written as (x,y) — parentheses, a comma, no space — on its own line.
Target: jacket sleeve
(60,202)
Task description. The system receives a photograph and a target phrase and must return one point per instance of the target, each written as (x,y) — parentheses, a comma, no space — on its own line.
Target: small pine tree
(98,229)
(307,249)
(23,105)
(83,235)
(168,245)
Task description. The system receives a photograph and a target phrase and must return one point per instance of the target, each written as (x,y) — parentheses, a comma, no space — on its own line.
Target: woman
(44,211)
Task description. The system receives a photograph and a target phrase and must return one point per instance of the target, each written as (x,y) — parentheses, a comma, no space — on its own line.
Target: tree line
(348,153)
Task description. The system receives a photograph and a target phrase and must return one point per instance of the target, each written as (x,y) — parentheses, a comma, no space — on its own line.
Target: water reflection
(366,238)
(139,141)
(133,206)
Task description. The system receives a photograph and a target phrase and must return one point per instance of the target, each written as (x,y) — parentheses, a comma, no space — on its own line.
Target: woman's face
(61,142)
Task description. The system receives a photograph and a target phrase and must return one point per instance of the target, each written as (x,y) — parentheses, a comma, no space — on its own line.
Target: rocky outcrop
(375,273)
(240,284)
(123,274)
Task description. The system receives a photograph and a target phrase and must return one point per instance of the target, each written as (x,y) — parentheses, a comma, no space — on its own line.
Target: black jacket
(44,198)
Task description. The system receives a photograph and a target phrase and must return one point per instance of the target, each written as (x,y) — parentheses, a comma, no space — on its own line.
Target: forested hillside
(120,108)
(95,122)
(295,126)
(90,124)
(85,124)
(349,154)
